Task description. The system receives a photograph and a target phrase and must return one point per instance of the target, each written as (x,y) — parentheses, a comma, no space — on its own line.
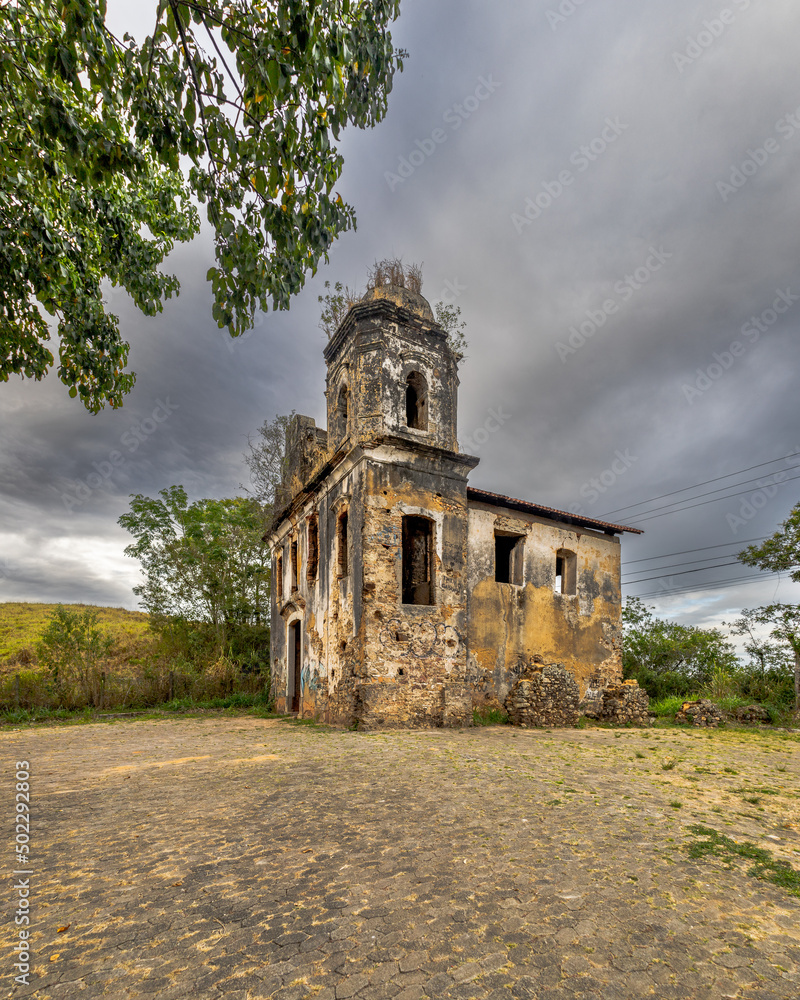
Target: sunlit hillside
(21,625)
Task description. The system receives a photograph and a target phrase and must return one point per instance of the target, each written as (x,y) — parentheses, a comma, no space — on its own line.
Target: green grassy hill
(21,624)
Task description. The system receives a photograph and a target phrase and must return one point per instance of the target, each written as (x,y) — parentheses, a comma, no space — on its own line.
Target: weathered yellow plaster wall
(509,624)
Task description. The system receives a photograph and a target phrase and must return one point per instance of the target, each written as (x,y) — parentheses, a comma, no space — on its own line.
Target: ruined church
(401,595)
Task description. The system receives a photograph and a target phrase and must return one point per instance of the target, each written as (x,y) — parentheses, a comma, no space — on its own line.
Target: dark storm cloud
(564,177)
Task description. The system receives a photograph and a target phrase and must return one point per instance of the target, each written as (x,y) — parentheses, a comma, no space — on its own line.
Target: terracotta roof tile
(498,500)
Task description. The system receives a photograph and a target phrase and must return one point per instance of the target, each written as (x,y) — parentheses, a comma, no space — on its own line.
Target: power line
(697,485)
(715,585)
(686,552)
(678,565)
(728,496)
(684,591)
(684,572)
(720,489)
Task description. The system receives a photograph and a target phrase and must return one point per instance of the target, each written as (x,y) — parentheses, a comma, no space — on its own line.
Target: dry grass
(393,271)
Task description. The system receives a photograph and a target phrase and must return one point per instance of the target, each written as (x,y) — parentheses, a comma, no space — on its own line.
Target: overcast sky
(612,198)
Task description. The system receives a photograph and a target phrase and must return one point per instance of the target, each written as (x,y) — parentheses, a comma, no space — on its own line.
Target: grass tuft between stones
(766,867)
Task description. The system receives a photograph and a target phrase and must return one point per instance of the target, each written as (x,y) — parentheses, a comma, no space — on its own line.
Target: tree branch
(185,45)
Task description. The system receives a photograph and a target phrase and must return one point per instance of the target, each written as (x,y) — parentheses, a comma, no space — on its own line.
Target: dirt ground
(252,858)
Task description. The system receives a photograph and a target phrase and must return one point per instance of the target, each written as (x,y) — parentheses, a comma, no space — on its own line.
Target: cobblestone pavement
(249,859)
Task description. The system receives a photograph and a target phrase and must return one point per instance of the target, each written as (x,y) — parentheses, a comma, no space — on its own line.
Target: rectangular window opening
(417,560)
(279,577)
(509,555)
(313,549)
(341,545)
(294,564)
(566,572)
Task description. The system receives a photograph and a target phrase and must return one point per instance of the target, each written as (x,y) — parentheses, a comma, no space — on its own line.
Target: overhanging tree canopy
(105,144)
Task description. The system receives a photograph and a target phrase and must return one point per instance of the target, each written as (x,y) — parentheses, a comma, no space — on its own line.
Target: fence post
(102,688)
(16,689)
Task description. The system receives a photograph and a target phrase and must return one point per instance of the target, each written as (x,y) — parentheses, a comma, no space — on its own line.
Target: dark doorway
(417,560)
(295,664)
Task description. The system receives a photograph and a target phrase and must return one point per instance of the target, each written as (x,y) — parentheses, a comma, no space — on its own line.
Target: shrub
(489,717)
(663,685)
(180,661)
(667,707)
(74,650)
(770,687)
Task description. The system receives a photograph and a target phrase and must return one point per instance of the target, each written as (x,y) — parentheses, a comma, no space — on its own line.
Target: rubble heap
(700,713)
(547,695)
(625,704)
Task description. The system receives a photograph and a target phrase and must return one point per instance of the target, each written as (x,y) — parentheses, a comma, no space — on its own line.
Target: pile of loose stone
(622,704)
(752,713)
(546,695)
(700,713)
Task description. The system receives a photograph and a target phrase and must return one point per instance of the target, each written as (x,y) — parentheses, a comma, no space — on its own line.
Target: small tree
(780,552)
(206,564)
(449,319)
(777,554)
(73,649)
(335,306)
(783,621)
(266,460)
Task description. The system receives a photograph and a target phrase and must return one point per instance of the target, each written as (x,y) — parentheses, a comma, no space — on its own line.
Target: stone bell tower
(370,541)
(391,371)
(392,395)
